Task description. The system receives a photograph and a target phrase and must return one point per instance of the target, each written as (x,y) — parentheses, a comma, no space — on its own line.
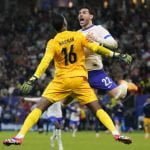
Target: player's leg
(74,131)
(131,87)
(98,79)
(59,139)
(147,127)
(118,91)
(117,123)
(102,116)
(71,126)
(106,120)
(52,138)
(31,120)
(96,124)
(48,98)
(58,127)
(52,121)
(56,132)
(74,126)
(67,100)
(87,96)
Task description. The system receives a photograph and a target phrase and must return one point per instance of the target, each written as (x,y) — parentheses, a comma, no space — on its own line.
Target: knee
(94,106)
(119,92)
(43,104)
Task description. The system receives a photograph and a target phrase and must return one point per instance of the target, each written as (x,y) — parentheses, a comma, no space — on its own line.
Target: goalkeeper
(70,79)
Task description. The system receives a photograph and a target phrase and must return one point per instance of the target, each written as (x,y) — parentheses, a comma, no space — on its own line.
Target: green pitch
(83,141)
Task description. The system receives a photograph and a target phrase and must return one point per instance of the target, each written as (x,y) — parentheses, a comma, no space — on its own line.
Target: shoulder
(50,44)
(78,32)
(101,28)
(50,41)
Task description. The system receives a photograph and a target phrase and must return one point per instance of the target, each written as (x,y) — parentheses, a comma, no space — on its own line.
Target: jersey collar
(88,27)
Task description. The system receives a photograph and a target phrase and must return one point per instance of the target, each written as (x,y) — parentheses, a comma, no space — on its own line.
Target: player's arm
(95,47)
(105,38)
(48,56)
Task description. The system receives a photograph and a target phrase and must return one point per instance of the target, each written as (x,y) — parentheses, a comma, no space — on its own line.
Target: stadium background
(25,28)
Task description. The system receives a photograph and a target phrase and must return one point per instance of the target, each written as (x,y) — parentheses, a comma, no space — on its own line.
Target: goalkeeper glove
(28,85)
(123,57)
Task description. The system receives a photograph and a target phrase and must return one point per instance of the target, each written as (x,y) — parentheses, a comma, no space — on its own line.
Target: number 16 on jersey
(70,57)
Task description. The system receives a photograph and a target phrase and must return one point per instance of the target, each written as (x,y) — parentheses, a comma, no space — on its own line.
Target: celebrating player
(97,77)
(67,51)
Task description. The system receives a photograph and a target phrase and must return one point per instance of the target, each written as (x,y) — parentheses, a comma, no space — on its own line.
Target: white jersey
(55,110)
(102,36)
(75,116)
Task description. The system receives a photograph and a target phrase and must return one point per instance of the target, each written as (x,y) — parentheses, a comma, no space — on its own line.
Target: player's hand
(90,37)
(28,85)
(124,57)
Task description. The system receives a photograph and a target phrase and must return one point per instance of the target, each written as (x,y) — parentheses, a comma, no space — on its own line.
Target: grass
(83,141)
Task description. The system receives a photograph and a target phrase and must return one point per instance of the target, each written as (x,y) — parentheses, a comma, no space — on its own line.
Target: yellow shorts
(78,87)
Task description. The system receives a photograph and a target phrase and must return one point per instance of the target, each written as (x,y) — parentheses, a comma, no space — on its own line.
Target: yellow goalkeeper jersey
(67,50)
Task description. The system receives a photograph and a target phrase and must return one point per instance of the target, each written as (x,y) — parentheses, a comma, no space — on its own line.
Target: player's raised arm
(48,56)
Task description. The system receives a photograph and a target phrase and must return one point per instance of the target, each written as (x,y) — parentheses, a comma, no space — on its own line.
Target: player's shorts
(78,87)
(54,120)
(98,79)
(76,123)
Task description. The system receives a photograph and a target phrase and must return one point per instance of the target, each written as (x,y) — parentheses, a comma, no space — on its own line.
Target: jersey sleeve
(95,47)
(106,38)
(47,58)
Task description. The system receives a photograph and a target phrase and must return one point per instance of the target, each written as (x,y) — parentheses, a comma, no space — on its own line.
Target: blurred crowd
(24,34)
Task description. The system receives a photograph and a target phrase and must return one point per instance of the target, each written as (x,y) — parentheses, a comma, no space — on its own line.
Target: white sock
(54,134)
(115,132)
(19,136)
(59,140)
(118,128)
(74,132)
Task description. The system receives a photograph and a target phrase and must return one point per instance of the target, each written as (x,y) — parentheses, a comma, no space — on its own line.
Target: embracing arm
(103,37)
(99,49)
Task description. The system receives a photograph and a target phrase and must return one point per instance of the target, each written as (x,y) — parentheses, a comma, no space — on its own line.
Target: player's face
(84,17)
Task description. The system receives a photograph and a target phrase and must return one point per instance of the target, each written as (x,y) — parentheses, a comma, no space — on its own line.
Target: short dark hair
(91,10)
(57,21)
